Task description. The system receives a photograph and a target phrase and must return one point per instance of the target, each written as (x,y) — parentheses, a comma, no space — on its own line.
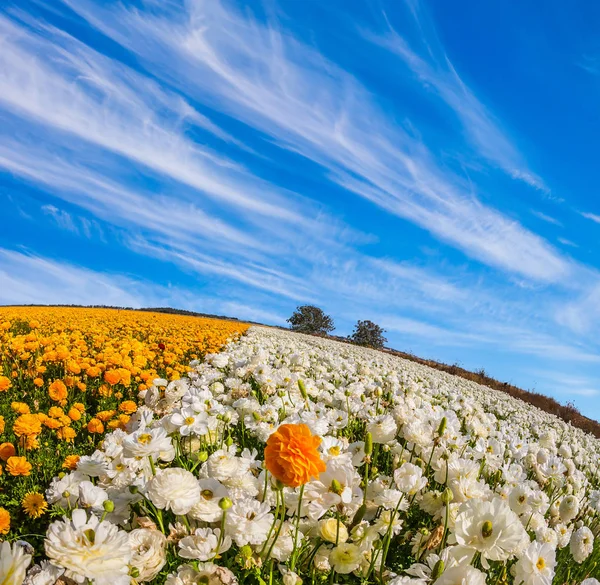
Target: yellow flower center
(207,494)
(541,564)
(189,420)
(335,450)
(145,438)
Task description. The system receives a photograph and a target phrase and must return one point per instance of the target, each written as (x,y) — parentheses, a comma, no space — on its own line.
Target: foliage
(310,319)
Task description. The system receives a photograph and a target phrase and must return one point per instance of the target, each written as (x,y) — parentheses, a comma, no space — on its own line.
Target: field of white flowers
(294,459)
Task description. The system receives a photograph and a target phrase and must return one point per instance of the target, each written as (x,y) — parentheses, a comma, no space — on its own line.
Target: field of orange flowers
(67,376)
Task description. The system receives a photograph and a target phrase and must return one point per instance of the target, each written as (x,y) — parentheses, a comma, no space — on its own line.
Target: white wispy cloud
(62,218)
(593,216)
(546,218)
(266,78)
(435,71)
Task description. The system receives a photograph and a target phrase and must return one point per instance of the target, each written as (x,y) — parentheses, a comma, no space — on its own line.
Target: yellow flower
(66,434)
(34,504)
(18,466)
(128,407)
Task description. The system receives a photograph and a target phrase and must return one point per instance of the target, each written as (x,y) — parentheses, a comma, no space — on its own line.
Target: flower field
(68,376)
(292,459)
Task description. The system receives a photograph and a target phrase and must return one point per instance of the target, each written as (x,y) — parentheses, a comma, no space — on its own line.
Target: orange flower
(52,423)
(291,455)
(18,466)
(92,372)
(55,412)
(4,521)
(20,407)
(105,415)
(27,425)
(112,377)
(71,462)
(66,434)
(95,426)
(1,424)
(128,407)
(79,406)
(74,414)
(29,443)
(6,450)
(39,382)
(5,383)
(57,390)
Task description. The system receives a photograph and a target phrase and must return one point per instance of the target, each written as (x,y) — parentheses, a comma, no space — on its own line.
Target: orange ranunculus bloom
(4,521)
(66,434)
(71,462)
(95,426)
(18,466)
(1,424)
(39,382)
(112,377)
(20,407)
(29,443)
(105,415)
(5,383)
(26,425)
(291,455)
(74,414)
(6,450)
(128,407)
(57,390)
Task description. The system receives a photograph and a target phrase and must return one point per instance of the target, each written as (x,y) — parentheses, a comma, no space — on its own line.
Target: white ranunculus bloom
(409,479)
(13,563)
(248,521)
(149,552)
(174,489)
(345,558)
(207,508)
(582,544)
(89,549)
(202,544)
(490,528)
(536,565)
(461,575)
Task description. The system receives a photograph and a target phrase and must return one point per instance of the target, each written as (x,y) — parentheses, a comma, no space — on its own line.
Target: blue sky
(427,165)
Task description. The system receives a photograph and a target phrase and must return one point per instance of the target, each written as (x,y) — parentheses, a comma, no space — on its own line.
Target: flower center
(207,494)
(335,450)
(541,564)
(189,420)
(145,438)
(487,529)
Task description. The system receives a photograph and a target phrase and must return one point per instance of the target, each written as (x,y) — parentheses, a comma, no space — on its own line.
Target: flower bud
(246,551)
(447,496)
(109,506)
(336,487)
(302,389)
(229,441)
(437,571)
(442,428)
(225,504)
(368,444)
(134,572)
(133,489)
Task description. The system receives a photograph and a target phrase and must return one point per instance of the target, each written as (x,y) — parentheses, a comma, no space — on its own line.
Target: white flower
(202,544)
(13,564)
(207,573)
(207,508)
(409,479)
(536,565)
(345,558)
(43,574)
(153,443)
(65,491)
(174,489)
(333,531)
(89,549)
(491,528)
(582,544)
(569,508)
(91,496)
(461,575)
(383,428)
(248,521)
(149,552)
